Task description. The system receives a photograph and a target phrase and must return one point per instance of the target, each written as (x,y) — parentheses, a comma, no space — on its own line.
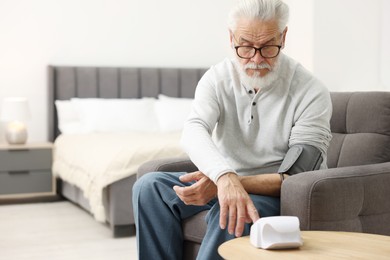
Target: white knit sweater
(253,132)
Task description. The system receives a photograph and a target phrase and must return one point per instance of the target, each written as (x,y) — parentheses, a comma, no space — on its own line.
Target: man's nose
(257,58)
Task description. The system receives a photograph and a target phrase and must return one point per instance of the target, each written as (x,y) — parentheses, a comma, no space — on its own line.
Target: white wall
(384,47)
(299,41)
(171,33)
(346,45)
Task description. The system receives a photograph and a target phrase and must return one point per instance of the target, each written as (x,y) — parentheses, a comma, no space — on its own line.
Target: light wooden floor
(58,231)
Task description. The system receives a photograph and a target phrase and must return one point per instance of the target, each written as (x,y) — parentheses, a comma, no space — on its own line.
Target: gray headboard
(66,82)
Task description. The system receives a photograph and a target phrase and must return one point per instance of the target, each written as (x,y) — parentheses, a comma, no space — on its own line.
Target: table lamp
(15,112)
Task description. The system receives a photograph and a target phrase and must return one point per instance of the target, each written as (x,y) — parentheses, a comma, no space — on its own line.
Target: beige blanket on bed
(93,161)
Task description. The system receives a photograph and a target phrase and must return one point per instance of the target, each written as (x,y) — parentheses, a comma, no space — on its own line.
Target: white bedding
(93,161)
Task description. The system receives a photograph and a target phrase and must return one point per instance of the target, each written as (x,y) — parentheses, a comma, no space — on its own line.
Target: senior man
(269,118)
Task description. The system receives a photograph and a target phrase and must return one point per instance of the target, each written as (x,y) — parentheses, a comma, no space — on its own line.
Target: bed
(111,83)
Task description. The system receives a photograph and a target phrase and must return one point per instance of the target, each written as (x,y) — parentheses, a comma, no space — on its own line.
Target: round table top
(316,244)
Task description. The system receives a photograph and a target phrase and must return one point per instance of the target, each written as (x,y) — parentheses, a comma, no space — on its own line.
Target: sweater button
(254,104)
(250,91)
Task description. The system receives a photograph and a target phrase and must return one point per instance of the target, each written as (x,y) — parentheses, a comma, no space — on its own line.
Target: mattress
(93,161)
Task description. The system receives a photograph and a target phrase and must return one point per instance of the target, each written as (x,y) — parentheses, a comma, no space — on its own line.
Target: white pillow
(68,117)
(172,112)
(117,115)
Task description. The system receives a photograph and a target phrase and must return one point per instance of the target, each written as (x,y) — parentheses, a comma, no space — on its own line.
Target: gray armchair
(352,195)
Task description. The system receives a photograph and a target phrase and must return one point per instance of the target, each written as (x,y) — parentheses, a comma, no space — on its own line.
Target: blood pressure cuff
(301,158)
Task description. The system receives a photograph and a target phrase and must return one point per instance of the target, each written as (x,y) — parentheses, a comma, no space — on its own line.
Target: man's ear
(284,37)
(231,39)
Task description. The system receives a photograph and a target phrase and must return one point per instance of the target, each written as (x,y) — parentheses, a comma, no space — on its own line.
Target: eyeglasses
(267,51)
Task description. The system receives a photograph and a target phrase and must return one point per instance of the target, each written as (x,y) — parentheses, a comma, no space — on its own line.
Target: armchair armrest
(179,164)
(352,198)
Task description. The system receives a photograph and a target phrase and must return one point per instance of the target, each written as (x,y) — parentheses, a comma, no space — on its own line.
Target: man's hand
(199,193)
(236,205)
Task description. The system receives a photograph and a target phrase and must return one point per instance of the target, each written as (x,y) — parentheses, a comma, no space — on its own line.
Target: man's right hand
(199,193)
(236,206)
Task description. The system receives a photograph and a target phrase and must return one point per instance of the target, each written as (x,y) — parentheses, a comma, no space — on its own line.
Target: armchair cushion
(360,126)
(361,112)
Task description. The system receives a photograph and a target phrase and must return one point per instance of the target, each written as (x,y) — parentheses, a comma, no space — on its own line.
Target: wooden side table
(25,171)
(316,245)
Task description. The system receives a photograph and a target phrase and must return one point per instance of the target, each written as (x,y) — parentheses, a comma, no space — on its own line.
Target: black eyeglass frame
(258,50)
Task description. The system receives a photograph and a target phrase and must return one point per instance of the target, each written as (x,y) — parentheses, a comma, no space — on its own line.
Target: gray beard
(256,81)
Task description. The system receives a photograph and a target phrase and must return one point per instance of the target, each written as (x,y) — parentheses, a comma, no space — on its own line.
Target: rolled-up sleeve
(312,122)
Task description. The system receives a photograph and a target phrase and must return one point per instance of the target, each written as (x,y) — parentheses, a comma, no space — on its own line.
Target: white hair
(265,10)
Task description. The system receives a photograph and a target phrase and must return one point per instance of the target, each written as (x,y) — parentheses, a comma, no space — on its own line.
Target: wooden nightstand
(25,171)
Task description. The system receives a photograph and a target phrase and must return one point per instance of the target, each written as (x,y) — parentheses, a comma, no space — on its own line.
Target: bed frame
(65,82)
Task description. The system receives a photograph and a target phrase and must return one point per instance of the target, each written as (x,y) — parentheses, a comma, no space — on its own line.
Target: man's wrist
(224,175)
(240,178)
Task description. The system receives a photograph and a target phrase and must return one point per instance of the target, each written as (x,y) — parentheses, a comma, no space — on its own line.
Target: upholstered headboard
(66,82)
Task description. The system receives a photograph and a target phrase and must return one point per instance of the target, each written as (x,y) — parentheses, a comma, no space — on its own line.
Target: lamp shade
(15,109)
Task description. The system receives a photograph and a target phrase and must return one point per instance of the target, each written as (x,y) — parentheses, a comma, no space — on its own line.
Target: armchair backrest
(360,126)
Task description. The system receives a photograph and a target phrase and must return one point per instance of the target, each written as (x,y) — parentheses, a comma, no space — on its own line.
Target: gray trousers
(158,213)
